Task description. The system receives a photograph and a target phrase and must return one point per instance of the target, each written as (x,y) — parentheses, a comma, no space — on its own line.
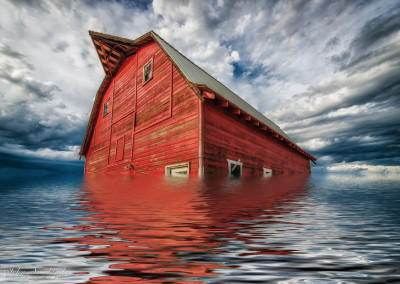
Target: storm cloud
(327,72)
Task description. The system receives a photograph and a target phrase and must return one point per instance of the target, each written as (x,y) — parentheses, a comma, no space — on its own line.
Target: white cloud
(346,167)
(315,144)
(71,153)
(235,56)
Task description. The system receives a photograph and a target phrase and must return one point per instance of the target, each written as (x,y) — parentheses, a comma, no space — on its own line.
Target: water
(336,228)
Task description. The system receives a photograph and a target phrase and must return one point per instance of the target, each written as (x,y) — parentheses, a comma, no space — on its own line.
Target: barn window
(267,172)
(179,170)
(147,72)
(105,108)
(234,168)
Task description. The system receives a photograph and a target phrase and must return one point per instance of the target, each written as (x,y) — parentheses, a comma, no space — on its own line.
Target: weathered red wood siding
(167,119)
(159,117)
(111,142)
(228,137)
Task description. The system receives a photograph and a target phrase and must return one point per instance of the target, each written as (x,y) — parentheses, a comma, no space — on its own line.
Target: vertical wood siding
(228,137)
(150,130)
(97,156)
(172,136)
(154,98)
(117,124)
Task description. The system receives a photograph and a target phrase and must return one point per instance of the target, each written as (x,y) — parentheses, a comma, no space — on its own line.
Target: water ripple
(286,229)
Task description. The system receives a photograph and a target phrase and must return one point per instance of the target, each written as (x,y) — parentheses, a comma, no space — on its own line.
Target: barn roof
(112,50)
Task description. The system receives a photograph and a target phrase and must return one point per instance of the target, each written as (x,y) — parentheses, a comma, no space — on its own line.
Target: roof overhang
(112,49)
(209,94)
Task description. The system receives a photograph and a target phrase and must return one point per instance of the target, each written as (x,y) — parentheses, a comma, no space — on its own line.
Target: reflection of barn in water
(156,111)
(159,229)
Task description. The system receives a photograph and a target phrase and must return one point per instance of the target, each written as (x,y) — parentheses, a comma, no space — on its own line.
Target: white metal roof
(198,76)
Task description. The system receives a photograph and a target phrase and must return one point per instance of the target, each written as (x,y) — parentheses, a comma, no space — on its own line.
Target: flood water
(324,228)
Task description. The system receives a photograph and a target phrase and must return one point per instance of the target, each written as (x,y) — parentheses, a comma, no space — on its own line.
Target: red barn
(157,111)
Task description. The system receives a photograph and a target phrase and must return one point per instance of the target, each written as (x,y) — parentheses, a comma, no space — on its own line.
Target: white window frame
(170,168)
(232,162)
(267,172)
(105,107)
(151,71)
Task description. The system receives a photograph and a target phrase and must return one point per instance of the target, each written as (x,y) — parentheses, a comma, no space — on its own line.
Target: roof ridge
(190,60)
(118,38)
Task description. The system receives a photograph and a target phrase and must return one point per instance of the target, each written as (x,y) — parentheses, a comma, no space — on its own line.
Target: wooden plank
(208,95)
(247,117)
(229,137)
(223,103)
(236,111)
(158,122)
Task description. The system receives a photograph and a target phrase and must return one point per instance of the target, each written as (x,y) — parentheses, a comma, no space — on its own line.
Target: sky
(327,72)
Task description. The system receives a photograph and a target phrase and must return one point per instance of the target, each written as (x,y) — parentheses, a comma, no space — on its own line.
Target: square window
(105,108)
(235,168)
(178,170)
(147,72)
(267,172)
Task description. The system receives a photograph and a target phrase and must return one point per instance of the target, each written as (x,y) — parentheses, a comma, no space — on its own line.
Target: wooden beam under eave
(105,56)
(256,123)
(208,95)
(112,50)
(247,117)
(236,111)
(224,104)
(263,127)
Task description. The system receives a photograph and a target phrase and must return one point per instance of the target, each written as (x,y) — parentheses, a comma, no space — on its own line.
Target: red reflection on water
(150,225)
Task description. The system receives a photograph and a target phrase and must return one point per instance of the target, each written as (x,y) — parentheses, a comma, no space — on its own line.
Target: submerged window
(234,168)
(105,108)
(267,172)
(147,72)
(180,170)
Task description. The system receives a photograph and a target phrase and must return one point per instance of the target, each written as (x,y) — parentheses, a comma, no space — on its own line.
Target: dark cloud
(14,69)
(14,167)
(353,116)
(38,89)
(8,51)
(371,138)
(30,115)
(372,43)
(21,125)
(341,59)
(332,42)
(299,18)
(378,29)
(61,46)
(32,4)
(141,4)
